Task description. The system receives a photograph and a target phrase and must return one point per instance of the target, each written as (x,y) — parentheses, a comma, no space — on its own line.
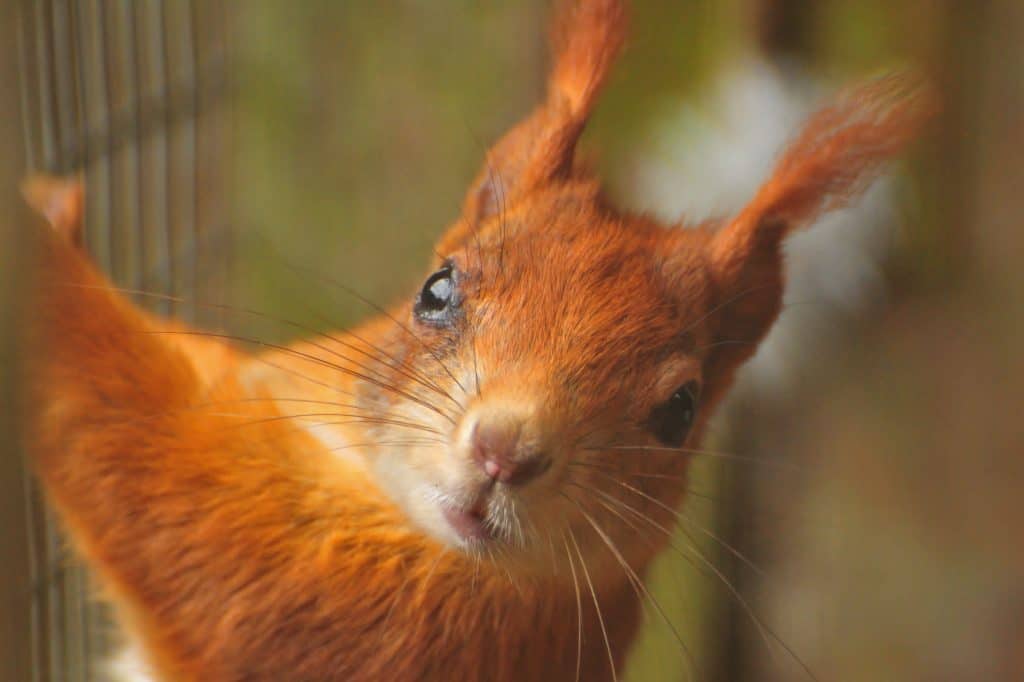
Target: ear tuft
(840,150)
(586,37)
(60,201)
(838,153)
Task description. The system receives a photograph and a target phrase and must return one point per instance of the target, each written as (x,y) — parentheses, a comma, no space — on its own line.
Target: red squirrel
(470,486)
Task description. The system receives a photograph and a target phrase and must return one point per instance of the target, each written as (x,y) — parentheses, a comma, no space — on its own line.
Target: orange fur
(239,544)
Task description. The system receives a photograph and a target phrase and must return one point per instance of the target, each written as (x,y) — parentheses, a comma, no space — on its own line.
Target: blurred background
(863,519)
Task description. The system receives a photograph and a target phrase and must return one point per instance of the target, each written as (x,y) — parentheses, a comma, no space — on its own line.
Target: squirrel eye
(670,421)
(435,299)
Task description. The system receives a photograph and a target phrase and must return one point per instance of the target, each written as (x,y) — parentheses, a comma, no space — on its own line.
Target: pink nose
(500,452)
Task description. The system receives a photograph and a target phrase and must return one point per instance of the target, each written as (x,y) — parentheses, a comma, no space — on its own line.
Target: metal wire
(132,95)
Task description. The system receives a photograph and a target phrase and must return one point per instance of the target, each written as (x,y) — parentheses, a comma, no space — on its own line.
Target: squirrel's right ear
(837,154)
(61,201)
(587,36)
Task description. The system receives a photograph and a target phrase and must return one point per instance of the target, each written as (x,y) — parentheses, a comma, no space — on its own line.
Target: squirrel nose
(499,450)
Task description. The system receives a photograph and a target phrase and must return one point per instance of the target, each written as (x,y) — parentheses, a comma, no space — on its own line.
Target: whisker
(631,576)
(356,419)
(305,429)
(579,609)
(380,309)
(597,606)
(636,579)
(696,451)
(476,366)
(413,373)
(373,444)
(763,630)
(310,358)
(400,367)
(305,377)
(640,474)
(686,519)
(371,411)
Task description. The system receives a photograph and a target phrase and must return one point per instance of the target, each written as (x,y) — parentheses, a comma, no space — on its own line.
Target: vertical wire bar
(101,178)
(99,167)
(63,133)
(132,59)
(228,155)
(189,26)
(162,211)
(83,157)
(55,596)
(44,86)
(203,183)
(83,146)
(127,135)
(118,153)
(177,155)
(149,52)
(106,58)
(213,240)
(35,618)
(71,577)
(27,113)
(64,60)
(56,584)
(199,180)
(28,483)
(213,83)
(41,589)
(171,214)
(182,131)
(76,160)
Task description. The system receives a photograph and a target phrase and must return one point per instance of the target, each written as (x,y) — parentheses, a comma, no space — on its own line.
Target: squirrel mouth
(471,523)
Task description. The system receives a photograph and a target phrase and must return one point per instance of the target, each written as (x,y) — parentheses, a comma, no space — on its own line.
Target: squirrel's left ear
(586,38)
(61,201)
(837,154)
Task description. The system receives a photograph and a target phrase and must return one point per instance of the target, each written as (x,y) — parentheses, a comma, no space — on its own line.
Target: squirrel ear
(61,201)
(829,164)
(586,37)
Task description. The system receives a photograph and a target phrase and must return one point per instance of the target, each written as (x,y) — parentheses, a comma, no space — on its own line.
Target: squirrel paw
(60,201)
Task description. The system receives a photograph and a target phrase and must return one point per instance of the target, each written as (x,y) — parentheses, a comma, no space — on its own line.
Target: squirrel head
(587,347)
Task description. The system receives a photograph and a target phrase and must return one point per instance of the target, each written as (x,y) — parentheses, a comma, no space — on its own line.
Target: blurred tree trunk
(782,34)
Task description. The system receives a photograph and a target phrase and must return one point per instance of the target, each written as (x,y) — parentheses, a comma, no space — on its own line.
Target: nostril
(499,452)
(524,470)
(492,468)
(518,471)
(494,446)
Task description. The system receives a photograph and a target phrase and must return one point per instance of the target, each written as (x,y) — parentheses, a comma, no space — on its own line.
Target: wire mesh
(132,95)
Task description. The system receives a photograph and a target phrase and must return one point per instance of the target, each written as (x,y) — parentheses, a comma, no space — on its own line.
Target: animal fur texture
(350,507)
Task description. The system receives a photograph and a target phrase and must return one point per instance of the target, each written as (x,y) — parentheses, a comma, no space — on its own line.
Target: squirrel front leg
(204,525)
